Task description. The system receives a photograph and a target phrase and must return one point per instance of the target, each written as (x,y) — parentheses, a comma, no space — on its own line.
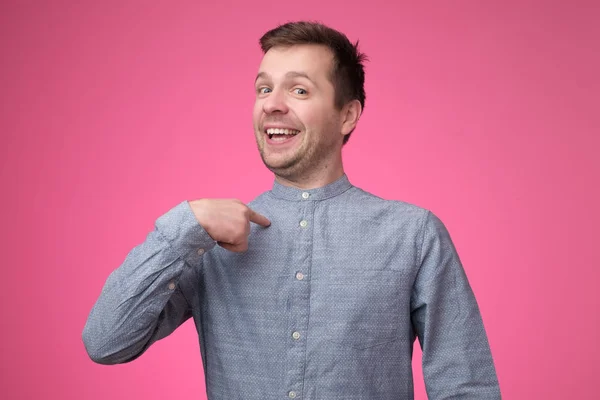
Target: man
(316,289)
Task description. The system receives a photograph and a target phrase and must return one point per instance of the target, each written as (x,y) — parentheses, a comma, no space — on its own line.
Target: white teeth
(281,131)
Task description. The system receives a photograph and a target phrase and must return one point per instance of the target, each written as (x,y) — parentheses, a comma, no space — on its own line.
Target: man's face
(297,126)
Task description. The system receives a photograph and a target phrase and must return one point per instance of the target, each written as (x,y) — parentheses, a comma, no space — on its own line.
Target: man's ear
(350,116)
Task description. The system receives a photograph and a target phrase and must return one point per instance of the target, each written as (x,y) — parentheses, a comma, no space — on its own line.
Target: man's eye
(264,90)
(300,91)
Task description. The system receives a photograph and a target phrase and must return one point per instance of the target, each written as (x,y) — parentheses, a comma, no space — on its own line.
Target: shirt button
(304,223)
(171,285)
(296,335)
(305,195)
(299,276)
(200,252)
(292,395)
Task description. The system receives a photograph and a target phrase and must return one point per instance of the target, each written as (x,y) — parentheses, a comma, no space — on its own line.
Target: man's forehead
(306,61)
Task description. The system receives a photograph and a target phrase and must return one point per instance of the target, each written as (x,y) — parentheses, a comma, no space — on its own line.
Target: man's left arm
(457,362)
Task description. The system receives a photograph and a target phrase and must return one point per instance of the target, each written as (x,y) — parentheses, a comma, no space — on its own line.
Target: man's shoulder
(405,208)
(259,199)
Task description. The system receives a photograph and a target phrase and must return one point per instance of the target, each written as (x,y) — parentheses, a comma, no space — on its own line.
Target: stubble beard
(290,166)
(306,160)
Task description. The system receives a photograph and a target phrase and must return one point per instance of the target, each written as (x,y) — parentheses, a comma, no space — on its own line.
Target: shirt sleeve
(457,362)
(149,295)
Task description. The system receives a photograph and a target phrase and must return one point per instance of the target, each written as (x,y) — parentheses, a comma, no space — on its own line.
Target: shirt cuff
(182,230)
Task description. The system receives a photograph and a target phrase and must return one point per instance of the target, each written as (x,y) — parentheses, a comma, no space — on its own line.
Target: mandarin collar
(333,189)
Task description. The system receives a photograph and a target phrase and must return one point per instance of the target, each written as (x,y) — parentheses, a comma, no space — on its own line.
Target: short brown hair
(348,74)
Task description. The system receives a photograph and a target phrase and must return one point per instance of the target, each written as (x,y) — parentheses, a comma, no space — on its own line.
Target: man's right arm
(144,299)
(152,292)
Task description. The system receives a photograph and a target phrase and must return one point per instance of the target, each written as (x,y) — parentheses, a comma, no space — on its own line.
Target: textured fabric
(326,309)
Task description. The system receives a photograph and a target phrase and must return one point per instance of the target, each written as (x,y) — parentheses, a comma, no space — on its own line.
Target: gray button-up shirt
(325,304)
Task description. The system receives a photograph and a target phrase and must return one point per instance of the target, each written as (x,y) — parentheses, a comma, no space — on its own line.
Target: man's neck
(312,181)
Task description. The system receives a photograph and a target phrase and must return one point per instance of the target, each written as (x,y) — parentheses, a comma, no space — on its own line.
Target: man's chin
(281,167)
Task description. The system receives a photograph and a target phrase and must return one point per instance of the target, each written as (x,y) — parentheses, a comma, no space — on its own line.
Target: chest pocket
(363,307)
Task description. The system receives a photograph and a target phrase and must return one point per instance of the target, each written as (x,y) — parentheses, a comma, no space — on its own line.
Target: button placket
(300,298)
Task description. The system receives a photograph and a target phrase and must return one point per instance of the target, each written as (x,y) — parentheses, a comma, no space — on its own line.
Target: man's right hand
(227,221)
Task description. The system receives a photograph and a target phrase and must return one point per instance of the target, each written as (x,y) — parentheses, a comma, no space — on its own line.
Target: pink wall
(113,112)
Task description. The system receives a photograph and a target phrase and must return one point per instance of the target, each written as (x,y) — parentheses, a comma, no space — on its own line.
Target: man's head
(310,81)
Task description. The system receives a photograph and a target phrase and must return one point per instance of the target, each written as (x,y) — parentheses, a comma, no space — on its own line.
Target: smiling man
(316,289)
(299,123)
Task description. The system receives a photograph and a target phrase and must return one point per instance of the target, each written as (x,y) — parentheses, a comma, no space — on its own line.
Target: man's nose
(275,102)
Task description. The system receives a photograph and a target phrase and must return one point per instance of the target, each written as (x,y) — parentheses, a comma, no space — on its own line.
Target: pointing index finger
(259,218)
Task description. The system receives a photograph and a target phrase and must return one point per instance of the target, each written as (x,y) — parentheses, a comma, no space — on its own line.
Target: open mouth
(281,134)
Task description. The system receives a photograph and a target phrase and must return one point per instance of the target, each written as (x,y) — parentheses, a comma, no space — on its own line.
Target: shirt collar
(294,194)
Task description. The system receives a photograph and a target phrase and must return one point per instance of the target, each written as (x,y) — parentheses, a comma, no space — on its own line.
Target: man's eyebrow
(295,74)
(262,75)
(288,75)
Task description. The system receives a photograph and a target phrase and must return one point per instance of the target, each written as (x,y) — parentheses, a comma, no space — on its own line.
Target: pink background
(114,112)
